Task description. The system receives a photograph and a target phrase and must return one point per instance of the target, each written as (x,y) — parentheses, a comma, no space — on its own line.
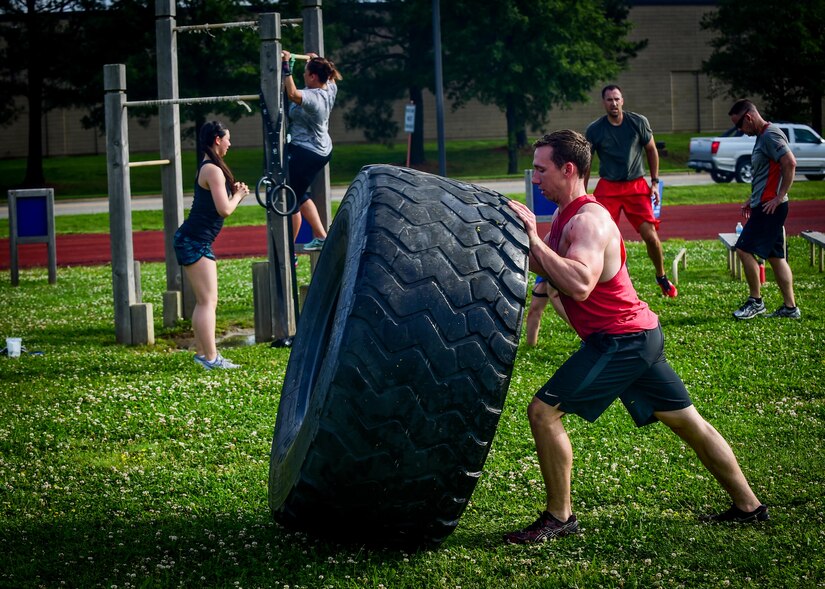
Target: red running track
(688,222)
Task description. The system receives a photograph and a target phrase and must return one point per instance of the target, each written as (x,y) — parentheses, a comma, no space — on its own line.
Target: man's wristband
(654,180)
(285,69)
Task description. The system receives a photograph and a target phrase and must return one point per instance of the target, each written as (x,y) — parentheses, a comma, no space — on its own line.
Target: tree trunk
(512,141)
(417,156)
(34,162)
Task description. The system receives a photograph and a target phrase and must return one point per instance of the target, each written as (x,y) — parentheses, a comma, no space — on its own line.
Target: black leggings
(304,165)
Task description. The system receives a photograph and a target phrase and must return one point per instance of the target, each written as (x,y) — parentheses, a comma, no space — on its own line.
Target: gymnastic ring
(290,200)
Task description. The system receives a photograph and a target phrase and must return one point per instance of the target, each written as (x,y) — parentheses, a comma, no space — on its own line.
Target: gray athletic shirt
(621,149)
(769,148)
(309,121)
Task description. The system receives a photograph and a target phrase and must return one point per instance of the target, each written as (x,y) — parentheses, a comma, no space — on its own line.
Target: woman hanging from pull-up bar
(311,146)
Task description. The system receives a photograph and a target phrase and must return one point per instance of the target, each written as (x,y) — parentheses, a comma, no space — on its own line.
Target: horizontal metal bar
(149,163)
(232,25)
(201,100)
(223,25)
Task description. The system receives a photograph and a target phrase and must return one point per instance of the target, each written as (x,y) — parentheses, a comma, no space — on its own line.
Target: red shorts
(632,195)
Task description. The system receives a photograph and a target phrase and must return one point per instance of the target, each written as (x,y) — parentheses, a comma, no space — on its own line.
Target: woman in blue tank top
(217,195)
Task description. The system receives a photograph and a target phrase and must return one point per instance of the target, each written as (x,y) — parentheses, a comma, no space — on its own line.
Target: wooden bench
(681,256)
(817,239)
(734,263)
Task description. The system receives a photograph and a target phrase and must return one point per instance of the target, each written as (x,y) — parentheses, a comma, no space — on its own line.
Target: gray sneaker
(750,309)
(219,362)
(787,312)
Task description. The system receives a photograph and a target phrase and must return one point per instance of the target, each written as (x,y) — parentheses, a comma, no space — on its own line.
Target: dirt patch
(234,338)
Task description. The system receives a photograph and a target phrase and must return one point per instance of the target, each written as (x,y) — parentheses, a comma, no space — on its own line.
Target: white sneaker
(218,362)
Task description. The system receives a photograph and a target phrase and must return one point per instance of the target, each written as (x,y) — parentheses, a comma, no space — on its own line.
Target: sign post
(409,127)
(31,220)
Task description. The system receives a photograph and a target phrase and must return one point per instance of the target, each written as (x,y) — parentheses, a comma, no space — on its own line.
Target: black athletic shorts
(630,366)
(304,165)
(763,234)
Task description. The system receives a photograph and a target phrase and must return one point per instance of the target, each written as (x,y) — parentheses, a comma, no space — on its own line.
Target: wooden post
(124,283)
(261,298)
(170,149)
(313,26)
(284,321)
(120,206)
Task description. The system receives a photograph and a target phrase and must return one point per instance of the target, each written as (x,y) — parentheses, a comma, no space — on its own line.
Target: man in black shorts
(774,166)
(622,356)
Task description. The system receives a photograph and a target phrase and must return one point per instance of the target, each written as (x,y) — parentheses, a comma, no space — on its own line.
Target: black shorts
(304,165)
(630,366)
(763,234)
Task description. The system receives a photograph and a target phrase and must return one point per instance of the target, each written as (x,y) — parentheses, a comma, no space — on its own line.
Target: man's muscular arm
(577,273)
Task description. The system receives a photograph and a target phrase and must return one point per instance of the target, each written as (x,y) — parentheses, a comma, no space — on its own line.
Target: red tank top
(613,307)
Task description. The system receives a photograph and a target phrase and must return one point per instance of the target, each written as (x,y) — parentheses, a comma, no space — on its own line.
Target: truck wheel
(744,170)
(401,362)
(721,177)
(815,176)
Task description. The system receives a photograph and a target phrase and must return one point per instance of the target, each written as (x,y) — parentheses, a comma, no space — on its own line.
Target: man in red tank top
(622,354)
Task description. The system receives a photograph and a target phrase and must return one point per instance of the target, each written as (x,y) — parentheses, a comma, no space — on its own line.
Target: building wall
(664,83)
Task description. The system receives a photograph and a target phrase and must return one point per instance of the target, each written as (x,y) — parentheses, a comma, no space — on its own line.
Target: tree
(53,53)
(385,54)
(773,49)
(530,56)
(42,39)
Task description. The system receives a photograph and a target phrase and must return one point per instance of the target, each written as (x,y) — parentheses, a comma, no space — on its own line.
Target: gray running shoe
(219,362)
(787,312)
(750,309)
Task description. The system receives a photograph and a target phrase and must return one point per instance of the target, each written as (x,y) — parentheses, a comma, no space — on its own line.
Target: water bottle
(657,207)
(739,228)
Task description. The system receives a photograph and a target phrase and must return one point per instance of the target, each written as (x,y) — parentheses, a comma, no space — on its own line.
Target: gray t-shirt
(621,148)
(769,148)
(309,121)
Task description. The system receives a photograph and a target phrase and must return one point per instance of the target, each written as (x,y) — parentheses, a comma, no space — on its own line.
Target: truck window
(786,133)
(805,136)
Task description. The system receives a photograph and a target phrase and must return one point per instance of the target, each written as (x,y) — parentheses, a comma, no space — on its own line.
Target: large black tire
(401,362)
(815,177)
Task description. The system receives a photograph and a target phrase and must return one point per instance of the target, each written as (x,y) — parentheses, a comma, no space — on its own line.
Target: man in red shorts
(582,260)
(621,138)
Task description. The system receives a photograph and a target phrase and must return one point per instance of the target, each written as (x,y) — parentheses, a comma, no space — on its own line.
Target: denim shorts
(631,367)
(188,250)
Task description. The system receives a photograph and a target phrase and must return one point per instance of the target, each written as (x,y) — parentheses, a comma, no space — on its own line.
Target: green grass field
(131,467)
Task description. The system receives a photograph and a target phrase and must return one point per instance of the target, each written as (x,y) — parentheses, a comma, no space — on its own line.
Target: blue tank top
(204,223)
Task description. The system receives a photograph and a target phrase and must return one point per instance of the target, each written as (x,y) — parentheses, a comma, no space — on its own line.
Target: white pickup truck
(729,156)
